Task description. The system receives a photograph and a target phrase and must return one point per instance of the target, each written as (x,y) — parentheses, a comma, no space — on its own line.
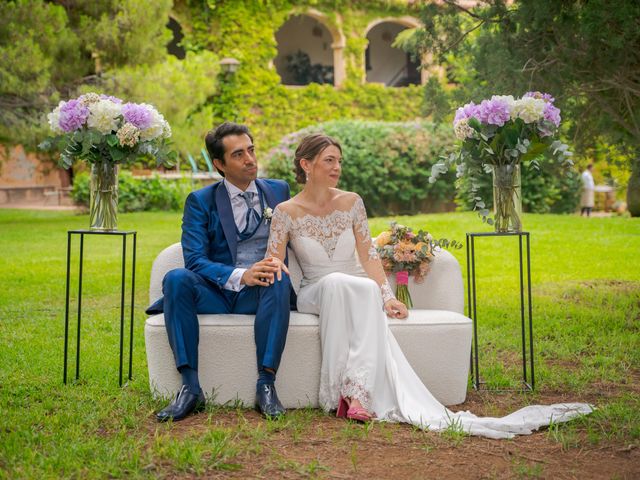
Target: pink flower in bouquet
(552,114)
(73,114)
(467,111)
(494,112)
(404,252)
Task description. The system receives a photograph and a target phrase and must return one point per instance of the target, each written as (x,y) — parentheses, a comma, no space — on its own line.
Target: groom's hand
(262,273)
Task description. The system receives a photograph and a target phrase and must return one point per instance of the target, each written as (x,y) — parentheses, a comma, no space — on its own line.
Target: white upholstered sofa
(436,339)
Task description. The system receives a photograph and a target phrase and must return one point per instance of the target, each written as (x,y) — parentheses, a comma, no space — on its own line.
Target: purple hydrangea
(543,96)
(467,111)
(110,97)
(138,115)
(73,115)
(494,112)
(552,114)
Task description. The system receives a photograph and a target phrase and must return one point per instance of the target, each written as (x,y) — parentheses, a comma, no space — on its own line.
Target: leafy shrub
(138,194)
(387,163)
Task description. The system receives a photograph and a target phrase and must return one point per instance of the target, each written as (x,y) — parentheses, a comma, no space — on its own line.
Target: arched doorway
(387,64)
(305,51)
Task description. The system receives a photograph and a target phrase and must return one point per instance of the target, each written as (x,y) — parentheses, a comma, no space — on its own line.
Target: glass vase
(103,202)
(507,198)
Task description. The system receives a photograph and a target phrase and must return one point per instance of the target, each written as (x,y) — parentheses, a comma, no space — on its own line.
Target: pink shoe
(359,414)
(343,407)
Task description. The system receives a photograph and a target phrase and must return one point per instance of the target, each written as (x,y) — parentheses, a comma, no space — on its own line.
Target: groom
(224,239)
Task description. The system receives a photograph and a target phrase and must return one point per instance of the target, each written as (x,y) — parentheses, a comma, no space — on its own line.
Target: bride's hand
(264,272)
(279,264)
(396,309)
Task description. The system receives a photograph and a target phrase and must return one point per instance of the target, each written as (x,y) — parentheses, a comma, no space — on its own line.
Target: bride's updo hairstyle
(310,147)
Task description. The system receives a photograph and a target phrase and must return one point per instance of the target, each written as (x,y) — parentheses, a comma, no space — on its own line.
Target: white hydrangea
(462,129)
(54,119)
(157,127)
(529,109)
(509,100)
(103,116)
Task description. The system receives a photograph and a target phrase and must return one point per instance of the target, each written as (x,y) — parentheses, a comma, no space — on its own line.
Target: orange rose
(406,246)
(383,239)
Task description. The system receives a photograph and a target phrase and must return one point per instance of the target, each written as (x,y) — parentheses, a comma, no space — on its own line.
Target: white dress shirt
(239,208)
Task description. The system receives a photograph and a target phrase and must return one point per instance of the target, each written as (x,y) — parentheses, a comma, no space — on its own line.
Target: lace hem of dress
(352,385)
(387,293)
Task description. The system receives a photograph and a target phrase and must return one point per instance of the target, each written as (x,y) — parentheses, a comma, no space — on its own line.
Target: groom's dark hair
(214,138)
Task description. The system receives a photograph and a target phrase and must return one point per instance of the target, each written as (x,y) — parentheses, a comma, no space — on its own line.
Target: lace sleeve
(279,234)
(367,251)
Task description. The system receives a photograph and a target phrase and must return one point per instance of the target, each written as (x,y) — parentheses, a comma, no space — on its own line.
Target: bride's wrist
(387,293)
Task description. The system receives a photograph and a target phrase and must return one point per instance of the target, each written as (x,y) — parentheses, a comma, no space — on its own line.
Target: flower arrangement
(99,128)
(406,253)
(105,132)
(498,135)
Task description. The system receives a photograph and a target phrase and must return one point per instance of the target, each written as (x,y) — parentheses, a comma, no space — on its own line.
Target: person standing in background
(588,188)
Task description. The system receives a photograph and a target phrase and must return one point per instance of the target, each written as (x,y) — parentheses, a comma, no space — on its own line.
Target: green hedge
(387,163)
(138,194)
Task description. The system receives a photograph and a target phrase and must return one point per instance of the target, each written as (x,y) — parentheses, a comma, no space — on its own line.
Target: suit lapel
(223,206)
(269,195)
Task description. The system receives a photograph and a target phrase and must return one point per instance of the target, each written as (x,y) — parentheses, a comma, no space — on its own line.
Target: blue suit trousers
(186,294)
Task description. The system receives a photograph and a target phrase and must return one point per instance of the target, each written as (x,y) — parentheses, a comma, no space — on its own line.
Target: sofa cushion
(436,343)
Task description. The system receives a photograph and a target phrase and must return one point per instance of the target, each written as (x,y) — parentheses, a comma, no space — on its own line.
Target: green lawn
(586,294)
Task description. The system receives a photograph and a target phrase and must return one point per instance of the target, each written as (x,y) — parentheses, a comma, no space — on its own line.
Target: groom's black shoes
(185,403)
(267,401)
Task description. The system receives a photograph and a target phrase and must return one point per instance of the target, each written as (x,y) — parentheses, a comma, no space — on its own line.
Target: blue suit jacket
(209,241)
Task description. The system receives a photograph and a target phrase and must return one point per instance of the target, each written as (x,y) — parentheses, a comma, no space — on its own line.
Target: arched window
(305,52)
(174,47)
(387,64)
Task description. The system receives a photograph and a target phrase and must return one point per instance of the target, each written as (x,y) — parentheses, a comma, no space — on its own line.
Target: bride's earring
(306,175)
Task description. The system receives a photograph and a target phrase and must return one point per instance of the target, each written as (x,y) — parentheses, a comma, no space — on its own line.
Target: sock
(190,378)
(265,377)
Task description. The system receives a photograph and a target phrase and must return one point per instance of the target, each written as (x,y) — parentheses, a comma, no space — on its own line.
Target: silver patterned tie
(252,218)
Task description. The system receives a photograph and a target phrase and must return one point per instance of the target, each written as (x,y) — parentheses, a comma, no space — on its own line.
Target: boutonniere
(267,213)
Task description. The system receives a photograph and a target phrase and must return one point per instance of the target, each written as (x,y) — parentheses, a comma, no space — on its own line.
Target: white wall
(385,61)
(297,34)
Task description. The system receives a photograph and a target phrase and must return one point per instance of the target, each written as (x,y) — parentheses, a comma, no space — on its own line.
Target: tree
(585,52)
(183,90)
(49,49)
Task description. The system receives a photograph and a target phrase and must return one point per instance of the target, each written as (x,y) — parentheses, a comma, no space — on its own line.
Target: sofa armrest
(169,259)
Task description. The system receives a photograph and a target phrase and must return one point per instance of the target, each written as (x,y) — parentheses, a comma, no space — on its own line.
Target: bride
(364,374)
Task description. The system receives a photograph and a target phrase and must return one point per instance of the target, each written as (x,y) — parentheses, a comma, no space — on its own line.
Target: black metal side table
(82,233)
(528,383)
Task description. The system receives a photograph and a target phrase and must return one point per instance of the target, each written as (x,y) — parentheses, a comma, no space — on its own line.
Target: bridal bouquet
(405,253)
(106,132)
(498,135)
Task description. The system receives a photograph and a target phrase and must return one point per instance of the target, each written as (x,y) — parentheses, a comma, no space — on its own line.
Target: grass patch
(586,301)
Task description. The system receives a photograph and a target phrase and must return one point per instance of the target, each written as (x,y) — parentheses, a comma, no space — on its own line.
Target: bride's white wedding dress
(360,356)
